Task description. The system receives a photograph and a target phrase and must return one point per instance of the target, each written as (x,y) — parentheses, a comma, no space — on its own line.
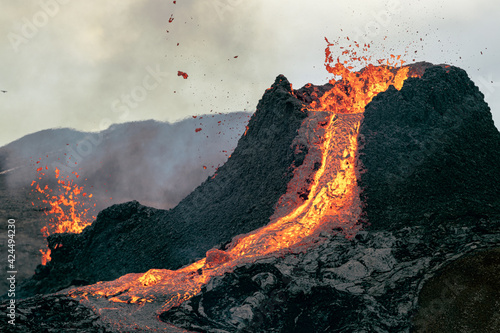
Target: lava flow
(328,202)
(67,211)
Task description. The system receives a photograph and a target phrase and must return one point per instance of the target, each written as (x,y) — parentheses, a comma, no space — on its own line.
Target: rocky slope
(431,153)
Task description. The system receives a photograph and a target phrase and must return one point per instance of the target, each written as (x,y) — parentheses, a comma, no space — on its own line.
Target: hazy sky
(86,64)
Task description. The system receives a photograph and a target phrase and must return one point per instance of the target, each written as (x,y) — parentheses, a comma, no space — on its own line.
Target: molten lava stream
(333,201)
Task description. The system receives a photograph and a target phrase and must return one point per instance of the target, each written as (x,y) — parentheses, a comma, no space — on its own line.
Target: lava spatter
(183,74)
(67,205)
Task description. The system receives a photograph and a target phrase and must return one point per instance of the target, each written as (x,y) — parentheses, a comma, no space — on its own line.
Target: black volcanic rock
(239,198)
(50,314)
(368,284)
(462,297)
(431,151)
(260,298)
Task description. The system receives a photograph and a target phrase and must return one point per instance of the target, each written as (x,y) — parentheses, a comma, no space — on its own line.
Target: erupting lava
(357,89)
(330,202)
(67,211)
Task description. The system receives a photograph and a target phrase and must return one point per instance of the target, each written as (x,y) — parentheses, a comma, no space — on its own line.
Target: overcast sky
(86,64)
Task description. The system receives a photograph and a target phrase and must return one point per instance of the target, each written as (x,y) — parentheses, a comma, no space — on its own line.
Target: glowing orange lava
(181,73)
(356,89)
(45,256)
(332,203)
(67,203)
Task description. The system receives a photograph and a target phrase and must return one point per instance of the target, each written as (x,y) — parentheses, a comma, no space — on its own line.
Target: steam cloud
(153,162)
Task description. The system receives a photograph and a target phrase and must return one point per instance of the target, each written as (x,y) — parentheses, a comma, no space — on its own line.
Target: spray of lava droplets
(68,202)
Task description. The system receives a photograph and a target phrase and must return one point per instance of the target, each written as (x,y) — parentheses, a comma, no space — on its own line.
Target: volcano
(338,211)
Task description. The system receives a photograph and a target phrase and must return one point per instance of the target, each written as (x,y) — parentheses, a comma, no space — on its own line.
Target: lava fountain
(323,195)
(67,203)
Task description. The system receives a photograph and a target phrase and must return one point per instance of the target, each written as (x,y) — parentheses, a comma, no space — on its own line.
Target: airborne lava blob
(323,195)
